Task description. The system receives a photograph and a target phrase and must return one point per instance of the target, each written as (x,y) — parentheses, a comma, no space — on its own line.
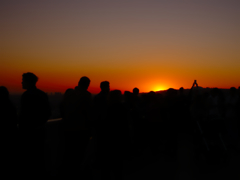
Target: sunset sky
(150,44)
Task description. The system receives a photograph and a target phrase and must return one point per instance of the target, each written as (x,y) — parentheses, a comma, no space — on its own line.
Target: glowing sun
(159,88)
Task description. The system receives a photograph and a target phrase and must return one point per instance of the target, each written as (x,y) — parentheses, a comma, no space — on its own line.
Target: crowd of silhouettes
(119,125)
(24,139)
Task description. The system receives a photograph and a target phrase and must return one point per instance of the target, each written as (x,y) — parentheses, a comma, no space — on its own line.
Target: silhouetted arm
(190,92)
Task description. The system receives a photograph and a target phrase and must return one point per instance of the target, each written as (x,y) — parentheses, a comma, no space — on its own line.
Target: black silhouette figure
(135,91)
(231,119)
(172,121)
(103,95)
(128,100)
(8,116)
(77,118)
(101,100)
(112,138)
(100,114)
(63,102)
(8,112)
(34,113)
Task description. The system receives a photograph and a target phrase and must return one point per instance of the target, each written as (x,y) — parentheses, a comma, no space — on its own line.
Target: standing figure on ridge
(77,124)
(100,114)
(34,113)
(101,100)
(8,116)
(114,133)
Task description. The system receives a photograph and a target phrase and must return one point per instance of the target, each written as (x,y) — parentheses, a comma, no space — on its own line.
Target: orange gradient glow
(152,46)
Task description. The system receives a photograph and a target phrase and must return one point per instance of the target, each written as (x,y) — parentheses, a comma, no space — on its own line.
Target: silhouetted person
(136,117)
(182,104)
(100,114)
(128,100)
(8,117)
(153,118)
(8,112)
(63,102)
(112,138)
(136,98)
(34,113)
(102,97)
(172,122)
(77,130)
(135,91)
(238,113)
(101,100)
(231,116)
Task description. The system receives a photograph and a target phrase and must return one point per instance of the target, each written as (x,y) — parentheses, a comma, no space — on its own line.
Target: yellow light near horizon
(159,88)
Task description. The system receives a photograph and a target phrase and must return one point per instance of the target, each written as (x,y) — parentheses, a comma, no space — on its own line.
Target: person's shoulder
(96,97)
(24,93)
(85,94)
(72,96)
(89,94)
(73,93)
(40,92)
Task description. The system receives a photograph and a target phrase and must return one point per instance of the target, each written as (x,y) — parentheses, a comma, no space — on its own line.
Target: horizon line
(53,93)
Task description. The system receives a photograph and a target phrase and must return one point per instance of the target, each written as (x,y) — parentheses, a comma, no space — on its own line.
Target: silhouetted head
(151,93)
(135,91)
(128,96)
(214,91)
(104,85)
(29,80)
(207,89)
(127,93)
(67,92)
(4,94)
(152,96)
(233,90)
(84,83)
(171,92)
(181,89)
(115,96)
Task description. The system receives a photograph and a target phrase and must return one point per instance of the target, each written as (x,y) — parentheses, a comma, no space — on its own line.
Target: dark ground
(146,165)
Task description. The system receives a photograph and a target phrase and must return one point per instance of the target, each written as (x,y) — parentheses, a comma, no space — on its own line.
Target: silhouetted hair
(30,78)
(4,94)
(84,82)
(208,89)
(127,93)
(115,96)
(69,90)
(171,92)
(233,89)
(135,91)
(215,91)
(151,93)
(104,85)
(181,90)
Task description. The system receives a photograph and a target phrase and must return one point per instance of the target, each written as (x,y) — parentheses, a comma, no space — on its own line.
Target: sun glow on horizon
(159,88)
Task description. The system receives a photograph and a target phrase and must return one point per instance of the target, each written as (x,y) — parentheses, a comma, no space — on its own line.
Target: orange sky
(146,44)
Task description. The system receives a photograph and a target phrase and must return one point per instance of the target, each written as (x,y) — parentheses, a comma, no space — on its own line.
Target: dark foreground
(144,164)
